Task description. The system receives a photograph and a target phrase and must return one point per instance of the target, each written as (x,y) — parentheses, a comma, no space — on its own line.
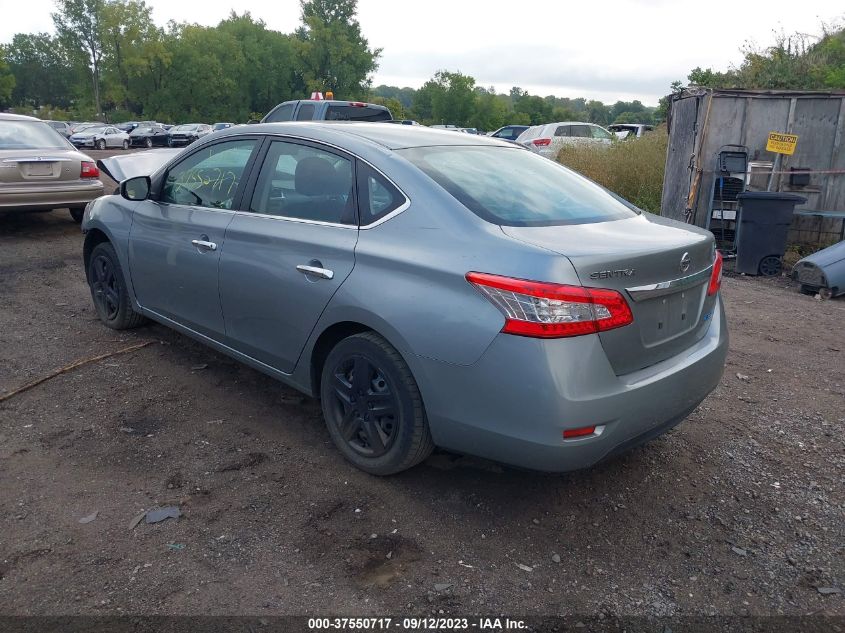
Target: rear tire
(148,143)
(77,214)
(108,289)
(125,144)
(372,406)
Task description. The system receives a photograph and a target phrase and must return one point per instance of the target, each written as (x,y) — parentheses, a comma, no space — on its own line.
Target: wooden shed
(703,121)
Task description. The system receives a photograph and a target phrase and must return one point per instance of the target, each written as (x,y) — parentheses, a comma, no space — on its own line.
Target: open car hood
(119,168)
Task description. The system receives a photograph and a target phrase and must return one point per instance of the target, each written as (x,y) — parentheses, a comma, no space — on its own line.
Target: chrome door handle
(322,273)
(204,245)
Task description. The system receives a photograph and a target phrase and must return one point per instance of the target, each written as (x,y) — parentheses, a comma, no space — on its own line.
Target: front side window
(306,183)
(600,133)
(377,197)
(210,177)
(513,187)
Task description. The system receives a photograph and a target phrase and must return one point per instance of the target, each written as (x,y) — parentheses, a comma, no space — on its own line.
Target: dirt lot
(737,511)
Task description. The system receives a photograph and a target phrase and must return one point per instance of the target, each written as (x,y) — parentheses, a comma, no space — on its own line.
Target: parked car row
(133,133)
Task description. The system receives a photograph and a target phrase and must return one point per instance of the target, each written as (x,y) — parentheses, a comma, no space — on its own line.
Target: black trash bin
(765,218)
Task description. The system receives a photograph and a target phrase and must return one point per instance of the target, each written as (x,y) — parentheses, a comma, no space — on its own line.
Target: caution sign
(782,143)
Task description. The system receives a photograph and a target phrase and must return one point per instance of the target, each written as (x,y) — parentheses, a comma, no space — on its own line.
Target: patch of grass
(631,169)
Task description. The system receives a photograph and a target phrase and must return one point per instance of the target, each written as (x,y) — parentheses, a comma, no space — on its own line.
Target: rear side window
(580,131)
(513,187)
(282,113)
(356,113)
(377,197)
(306,183)
(306,112)
(562,130)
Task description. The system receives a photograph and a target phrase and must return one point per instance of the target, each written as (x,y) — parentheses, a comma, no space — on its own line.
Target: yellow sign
(782,143)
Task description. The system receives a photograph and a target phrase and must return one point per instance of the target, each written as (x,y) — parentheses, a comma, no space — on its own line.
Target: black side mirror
(136,189)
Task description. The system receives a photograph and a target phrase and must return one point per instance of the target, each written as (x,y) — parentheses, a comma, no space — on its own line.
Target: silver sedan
(431,288)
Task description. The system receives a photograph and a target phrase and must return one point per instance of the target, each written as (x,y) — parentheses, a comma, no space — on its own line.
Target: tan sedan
(40,170)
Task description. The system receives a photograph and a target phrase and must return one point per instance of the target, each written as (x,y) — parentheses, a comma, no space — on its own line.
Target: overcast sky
(610,50)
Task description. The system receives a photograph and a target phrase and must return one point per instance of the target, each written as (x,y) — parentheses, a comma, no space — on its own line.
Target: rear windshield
(30,135)
(356,113)
(513,187)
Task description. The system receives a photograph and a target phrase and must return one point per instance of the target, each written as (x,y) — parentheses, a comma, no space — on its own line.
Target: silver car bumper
(513,405)
(46,196)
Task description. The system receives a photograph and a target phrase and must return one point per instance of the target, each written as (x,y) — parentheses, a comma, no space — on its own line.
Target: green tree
(332,53)
(128,35)
(79,27)
(267,77)
(43,73)
(7,80)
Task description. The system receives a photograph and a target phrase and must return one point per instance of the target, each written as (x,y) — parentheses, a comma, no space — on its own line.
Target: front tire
(100,144)
(108,289)
(373,407)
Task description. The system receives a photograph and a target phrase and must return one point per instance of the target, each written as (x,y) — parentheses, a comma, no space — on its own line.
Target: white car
(100,137)
(548,139)
(630,130)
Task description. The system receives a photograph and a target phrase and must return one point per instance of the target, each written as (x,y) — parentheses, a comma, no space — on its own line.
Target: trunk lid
(640,257)
(33,166)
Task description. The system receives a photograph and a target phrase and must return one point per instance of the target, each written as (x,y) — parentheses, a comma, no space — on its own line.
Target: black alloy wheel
(108,289)
(364,408)
(373,407)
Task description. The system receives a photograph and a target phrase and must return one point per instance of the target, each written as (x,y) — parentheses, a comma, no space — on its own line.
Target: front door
(175,241)
(284,259)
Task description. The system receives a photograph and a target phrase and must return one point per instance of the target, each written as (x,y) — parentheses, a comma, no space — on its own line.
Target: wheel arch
(310,366)
(92,238)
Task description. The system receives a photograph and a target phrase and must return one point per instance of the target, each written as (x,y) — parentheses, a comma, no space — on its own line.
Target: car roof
(389,136)
(16,117)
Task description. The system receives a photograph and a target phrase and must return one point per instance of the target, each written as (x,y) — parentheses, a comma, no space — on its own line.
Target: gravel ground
(737,511)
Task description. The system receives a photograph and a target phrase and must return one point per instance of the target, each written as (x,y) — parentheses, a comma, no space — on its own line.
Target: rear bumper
(50,196)
(513,405)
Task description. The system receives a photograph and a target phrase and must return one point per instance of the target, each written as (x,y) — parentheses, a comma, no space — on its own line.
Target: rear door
(286,257)
(175,241)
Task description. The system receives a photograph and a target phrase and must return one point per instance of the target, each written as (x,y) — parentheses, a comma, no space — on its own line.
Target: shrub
(632,168)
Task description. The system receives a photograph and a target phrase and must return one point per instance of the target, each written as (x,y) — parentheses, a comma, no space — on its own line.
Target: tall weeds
(632,169)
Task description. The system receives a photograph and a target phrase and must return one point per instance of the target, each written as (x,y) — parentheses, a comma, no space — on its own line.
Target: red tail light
(546,310)
(715,276)
(541,142)
(89,170)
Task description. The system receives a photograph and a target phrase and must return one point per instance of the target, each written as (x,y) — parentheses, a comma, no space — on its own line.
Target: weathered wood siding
(746,118)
